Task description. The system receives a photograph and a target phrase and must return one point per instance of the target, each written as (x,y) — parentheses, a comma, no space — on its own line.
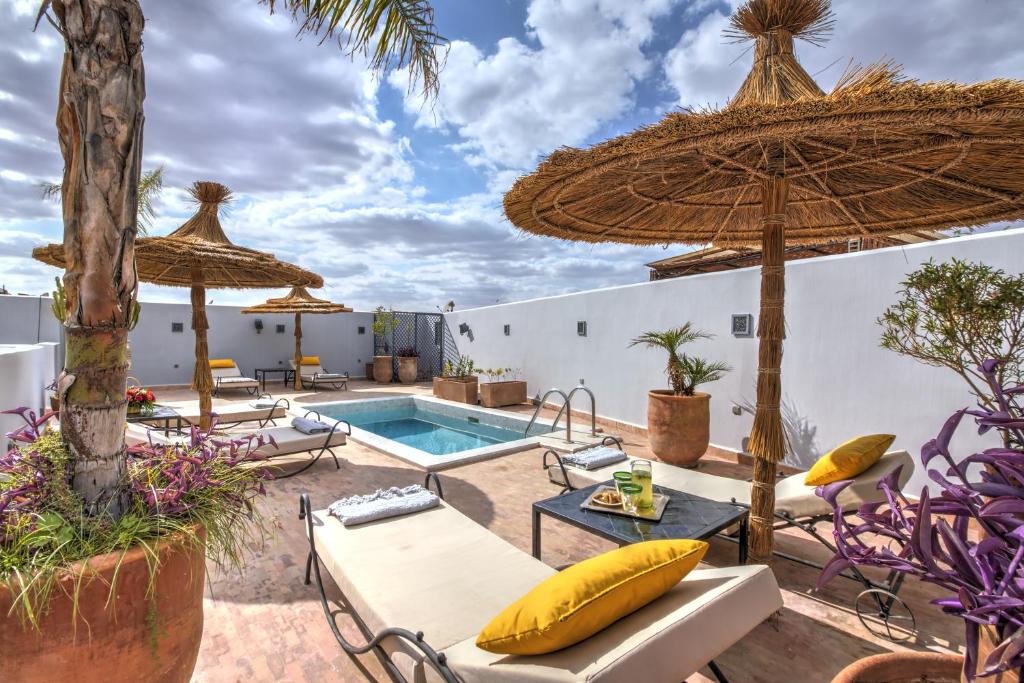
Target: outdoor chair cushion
(665,642)
(587,597)
(221,363)
(290,440)
(233,412)
(848,459)
(792,495)
(328,376)
(435,571)
(310,360)
(238,380)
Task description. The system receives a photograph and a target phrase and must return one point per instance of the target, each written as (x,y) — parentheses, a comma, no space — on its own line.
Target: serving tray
(652,514)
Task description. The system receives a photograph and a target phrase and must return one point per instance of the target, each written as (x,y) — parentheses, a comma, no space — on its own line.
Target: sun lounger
(422,586)
(796,506)
(289,441)
(234,414)
(315,376)
(230,377)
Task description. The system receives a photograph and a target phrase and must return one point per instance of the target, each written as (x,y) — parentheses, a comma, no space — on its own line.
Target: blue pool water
(427,431)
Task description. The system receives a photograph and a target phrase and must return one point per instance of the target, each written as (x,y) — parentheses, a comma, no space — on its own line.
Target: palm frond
(150,185)
(394,33)
(695,371)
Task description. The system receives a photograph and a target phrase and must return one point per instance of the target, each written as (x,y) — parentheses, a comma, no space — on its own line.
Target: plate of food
(607,498)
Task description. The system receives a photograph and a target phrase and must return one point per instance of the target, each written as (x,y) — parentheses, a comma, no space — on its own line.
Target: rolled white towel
(383,503)
(594,458)
(262,404)
(310,426)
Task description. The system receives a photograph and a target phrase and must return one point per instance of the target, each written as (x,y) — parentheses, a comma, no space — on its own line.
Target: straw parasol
(298,301)
(784,161)
(199,255)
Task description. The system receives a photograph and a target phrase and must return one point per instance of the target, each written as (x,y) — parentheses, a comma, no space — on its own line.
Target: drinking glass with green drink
(642,477)
(631,494)
(621,478)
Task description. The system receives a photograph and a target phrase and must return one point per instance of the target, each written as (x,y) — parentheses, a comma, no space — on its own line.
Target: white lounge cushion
(664,642)
(328,376)
(233,412)
(239,381)
(221,373)
(435,571)
(792,496)
(291,440)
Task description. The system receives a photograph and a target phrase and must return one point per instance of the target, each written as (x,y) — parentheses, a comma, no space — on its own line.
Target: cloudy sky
(400,205)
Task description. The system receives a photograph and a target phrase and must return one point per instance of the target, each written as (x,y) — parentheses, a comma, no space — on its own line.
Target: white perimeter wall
(161,357)
(837,381)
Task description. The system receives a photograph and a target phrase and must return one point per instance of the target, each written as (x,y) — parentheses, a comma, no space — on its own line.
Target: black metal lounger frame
(879,598)
(333,382)
(374,641)
(326,448)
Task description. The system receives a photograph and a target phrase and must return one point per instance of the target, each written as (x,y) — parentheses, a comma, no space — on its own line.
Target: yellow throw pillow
(587,597)
(849,459)
(220,363)
(310,360)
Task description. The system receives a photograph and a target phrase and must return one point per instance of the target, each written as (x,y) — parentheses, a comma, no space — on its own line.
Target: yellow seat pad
(849,459)
(221,363)
(310,360)
(587,597)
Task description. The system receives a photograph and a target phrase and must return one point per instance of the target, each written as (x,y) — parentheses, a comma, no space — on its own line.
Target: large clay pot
(904,667)
(498,394)
(382,370)
(678,427)
(131,637)
(407,369)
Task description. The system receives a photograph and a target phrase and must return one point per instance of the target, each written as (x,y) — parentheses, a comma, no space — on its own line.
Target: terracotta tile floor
(267,626)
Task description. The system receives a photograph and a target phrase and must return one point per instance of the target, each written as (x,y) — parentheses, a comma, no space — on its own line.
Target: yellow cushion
(849,459)
(217,363)
(587,597)
(310,360)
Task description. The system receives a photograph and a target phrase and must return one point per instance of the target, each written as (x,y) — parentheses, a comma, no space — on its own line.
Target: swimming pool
(431,433)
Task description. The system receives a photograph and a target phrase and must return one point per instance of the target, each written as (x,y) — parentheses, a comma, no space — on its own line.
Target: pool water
(425,430)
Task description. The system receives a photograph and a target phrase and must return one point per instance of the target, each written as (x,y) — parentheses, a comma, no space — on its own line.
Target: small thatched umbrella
(298,301)
(785,161)
(199,255)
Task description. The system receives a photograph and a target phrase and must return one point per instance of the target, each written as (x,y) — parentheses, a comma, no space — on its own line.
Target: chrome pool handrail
(568,418)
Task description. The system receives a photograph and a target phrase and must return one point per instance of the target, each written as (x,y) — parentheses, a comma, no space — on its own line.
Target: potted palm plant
(679,419)
(384,323)
(933,539)
(502,388)
(458,381)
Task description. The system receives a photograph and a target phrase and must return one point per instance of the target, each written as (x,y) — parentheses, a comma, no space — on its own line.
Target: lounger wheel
(885,615)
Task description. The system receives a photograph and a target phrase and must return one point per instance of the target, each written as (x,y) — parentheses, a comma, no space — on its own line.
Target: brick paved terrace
(267,626)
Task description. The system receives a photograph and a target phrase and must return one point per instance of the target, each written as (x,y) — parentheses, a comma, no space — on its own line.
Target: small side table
(160,414)
(261,376)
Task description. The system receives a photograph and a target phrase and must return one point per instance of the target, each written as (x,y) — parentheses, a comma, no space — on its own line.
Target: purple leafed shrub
(929,538)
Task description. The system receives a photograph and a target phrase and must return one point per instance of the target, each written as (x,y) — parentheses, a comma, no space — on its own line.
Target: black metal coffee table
(687,516)
(261,376)
(160,414)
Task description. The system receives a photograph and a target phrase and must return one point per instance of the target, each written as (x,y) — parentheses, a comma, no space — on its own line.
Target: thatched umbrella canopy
(298,301)
(199,255)
(785,161)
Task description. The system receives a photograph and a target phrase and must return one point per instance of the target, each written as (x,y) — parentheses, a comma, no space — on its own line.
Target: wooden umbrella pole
(298,352)
(202,379)
(767,439)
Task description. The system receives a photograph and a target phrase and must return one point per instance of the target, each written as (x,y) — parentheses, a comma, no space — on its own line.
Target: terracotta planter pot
(382,370)
(903,667)
(456,389)
(135,638)
(678,427)
(498,394)
(407,369)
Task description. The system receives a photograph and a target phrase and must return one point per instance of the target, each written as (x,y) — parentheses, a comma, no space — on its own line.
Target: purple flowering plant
(204,482)
(930,538)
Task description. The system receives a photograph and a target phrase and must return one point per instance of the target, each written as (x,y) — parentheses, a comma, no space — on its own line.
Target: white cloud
(521,101)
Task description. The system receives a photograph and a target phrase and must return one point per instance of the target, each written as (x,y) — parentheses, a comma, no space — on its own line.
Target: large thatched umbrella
(298,301)
(199,255)
(785,161)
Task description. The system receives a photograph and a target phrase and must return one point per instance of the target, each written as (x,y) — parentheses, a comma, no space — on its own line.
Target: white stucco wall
(161,357)
(24,370)
(837,381)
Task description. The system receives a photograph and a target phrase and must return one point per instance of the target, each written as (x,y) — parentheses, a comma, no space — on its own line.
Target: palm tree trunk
(298,352)
(99,126)
(767,440)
